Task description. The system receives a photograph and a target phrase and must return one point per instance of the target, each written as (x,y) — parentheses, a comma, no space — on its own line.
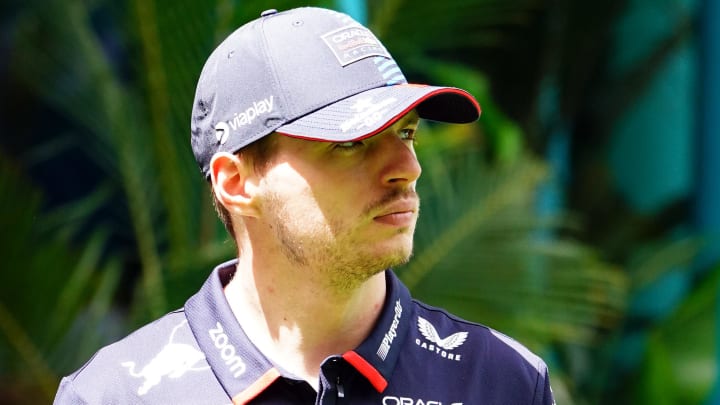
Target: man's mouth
(399,213)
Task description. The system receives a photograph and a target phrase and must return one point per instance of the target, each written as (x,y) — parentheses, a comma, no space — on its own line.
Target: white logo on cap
(352,43)
(258,108)
(222,131)
(368,113)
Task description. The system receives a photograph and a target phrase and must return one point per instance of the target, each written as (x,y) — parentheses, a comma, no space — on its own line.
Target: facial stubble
(331,248)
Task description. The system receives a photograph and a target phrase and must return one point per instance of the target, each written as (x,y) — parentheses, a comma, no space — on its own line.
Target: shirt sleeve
(545,391)
(66,394)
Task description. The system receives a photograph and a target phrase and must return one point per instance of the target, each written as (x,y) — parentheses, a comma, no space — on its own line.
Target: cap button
(268,12)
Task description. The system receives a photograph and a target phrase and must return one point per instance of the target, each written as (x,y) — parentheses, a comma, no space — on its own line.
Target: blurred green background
(579,215)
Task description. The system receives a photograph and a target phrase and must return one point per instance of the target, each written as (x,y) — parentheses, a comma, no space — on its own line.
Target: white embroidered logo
(439,345)
(367,113)
(352,43)
(258,108)
(222,131)
(391,400)
(235,364)
(173,361)
(384,348)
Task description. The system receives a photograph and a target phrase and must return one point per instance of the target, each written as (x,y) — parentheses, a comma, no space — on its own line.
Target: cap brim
(370,112)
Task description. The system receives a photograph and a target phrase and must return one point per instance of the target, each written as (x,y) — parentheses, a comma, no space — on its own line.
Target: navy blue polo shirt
(415,355)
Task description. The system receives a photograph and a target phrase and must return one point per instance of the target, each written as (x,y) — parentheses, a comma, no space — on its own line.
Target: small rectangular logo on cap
(352,43)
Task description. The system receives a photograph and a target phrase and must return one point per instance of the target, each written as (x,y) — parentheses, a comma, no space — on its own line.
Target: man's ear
(233,183)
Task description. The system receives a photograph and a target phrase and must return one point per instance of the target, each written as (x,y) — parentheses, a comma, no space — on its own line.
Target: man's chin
(380,262)
(398,258)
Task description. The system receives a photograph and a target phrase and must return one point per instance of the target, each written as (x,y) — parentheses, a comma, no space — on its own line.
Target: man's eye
(348,145)
(407,134)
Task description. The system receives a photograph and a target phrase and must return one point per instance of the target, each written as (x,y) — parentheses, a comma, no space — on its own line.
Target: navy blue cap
(310,73)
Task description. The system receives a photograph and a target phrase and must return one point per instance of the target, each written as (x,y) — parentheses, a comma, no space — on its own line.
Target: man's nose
(400,163)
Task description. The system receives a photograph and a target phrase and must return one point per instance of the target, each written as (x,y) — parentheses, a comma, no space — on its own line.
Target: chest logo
(391,334)
(438,345)
(390,400)
(173,361)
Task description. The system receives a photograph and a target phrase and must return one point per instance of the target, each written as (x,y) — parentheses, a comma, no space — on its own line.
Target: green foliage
(680,362)
(48,285)
(484,253)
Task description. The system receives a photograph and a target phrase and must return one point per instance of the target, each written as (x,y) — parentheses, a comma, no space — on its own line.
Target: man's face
(347,209)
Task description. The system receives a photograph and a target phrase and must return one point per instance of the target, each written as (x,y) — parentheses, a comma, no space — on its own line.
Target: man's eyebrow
(409,119)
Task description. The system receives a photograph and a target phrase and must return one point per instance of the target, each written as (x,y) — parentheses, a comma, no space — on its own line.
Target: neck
(296,317)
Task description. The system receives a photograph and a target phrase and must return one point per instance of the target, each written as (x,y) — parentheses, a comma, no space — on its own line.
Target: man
(304,125)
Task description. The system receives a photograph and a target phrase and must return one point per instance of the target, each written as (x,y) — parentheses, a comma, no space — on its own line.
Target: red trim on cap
(256,388)
(366,369)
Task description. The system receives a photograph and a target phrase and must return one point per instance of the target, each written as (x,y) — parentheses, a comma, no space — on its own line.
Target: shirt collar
(244,371)
(377,356)
(241,369)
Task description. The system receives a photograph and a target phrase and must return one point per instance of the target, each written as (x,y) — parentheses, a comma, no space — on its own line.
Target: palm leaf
(483,254)
(40,301)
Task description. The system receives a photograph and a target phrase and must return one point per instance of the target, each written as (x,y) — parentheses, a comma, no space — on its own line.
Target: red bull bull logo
(173,361)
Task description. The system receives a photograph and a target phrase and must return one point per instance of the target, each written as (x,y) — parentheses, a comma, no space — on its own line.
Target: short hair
(259,153)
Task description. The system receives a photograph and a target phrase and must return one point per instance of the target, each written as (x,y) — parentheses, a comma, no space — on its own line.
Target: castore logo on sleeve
(437,344)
